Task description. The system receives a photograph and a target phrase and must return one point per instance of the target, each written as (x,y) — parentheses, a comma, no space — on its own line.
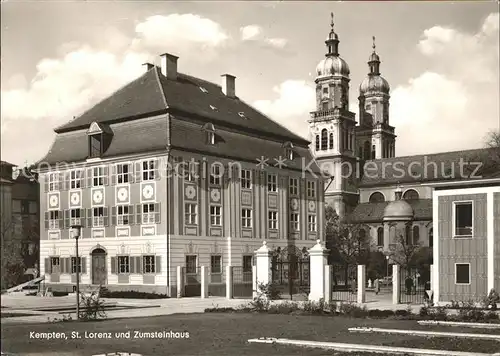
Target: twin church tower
(338,142)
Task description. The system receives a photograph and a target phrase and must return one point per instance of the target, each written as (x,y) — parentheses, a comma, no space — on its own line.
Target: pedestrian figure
(408,285)
(376,284)
(353,285)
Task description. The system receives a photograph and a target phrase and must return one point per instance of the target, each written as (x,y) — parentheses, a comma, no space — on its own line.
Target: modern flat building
(172,170)
(466,219)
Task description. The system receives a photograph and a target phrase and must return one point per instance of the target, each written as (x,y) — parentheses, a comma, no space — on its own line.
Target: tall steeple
(374,61)
(331,127)
(332,42)
(375,136)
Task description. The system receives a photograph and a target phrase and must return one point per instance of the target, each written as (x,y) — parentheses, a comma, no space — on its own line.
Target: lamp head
(76,230)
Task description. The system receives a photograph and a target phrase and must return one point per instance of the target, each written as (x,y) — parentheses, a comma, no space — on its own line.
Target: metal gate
(290,271)
(217,283)
(192,282)
(242,282)
(344,280)
(413,286)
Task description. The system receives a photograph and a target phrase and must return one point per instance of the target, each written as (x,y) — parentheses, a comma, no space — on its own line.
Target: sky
(440,58)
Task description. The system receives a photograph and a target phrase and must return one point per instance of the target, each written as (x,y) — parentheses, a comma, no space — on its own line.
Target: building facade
(19,214)
(467,248)
(170,171)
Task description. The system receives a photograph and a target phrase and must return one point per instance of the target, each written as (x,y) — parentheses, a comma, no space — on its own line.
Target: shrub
(216,309)
(312,307)
(332,307)
(270,291)
(106,293)
(491,301)
(353,310)
(284,308)
(91,307)
(380,314)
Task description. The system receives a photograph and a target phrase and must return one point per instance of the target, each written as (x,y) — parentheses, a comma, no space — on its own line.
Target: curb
(458,323)
(426,333)
(364,348)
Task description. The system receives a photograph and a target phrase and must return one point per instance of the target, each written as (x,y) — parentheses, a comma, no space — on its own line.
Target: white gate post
(263,265)
(361,298)
(328,283)
(318,257)
(396,286)
(204,282)
(254,281)
(229,282)
(180,282)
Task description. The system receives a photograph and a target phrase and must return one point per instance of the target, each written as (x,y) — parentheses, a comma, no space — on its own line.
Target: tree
(377,265)
(487,161)
(12,258)
(404,248)
(347,241)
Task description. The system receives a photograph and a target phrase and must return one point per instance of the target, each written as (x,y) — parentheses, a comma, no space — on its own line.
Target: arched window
(331,141)
(373,151)
(416,235)
(324,139)
(410,194)
(366,149)
(431,237)
(317,142)
(380,236)
(360,152)
(408,235)
(377,197)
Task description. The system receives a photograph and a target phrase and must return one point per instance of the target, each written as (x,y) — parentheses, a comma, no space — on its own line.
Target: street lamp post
(76,234)
(387,263)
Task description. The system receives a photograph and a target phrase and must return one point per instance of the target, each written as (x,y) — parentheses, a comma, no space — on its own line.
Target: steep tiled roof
(150,134)
(141,97)
(412,169)
(374,212)
(153,93)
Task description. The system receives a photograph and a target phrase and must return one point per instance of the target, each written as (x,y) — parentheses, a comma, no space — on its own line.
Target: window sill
(462,284)
(462,236)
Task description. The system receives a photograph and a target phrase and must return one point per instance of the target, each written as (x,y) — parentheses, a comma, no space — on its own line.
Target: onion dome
(374,82)
(333,64)
(398,210)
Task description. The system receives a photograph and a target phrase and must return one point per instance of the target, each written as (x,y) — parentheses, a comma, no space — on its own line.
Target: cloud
(177,30)
(453,106)
(296,99)
(82,75)
(255,33)
(277,42)
(250,32)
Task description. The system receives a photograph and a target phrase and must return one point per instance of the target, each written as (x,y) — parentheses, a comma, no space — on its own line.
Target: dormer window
(95,149)
(213,108)
(99,139)
(288,150)
(210,133)
(325,90)
(242,115)
(203,90)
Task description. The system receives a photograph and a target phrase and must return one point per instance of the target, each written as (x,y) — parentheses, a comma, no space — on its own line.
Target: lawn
(227,334)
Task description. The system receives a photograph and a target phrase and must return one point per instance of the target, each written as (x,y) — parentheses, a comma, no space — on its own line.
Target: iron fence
(192,281)
(291,272)
(217,283)
(344,280)
(413,286)
(242,282)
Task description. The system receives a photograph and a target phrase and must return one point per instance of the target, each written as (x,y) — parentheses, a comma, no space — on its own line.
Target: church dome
(374,83)
(332,65)
(398,210)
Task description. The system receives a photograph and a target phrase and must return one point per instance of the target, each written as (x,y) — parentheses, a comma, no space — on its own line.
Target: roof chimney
(228,86)
(169,66)
(147,66)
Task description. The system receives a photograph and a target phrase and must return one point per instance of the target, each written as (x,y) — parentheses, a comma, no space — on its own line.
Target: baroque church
(369,184)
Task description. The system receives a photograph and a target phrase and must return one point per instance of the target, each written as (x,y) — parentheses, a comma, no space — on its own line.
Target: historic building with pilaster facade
(168,171)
